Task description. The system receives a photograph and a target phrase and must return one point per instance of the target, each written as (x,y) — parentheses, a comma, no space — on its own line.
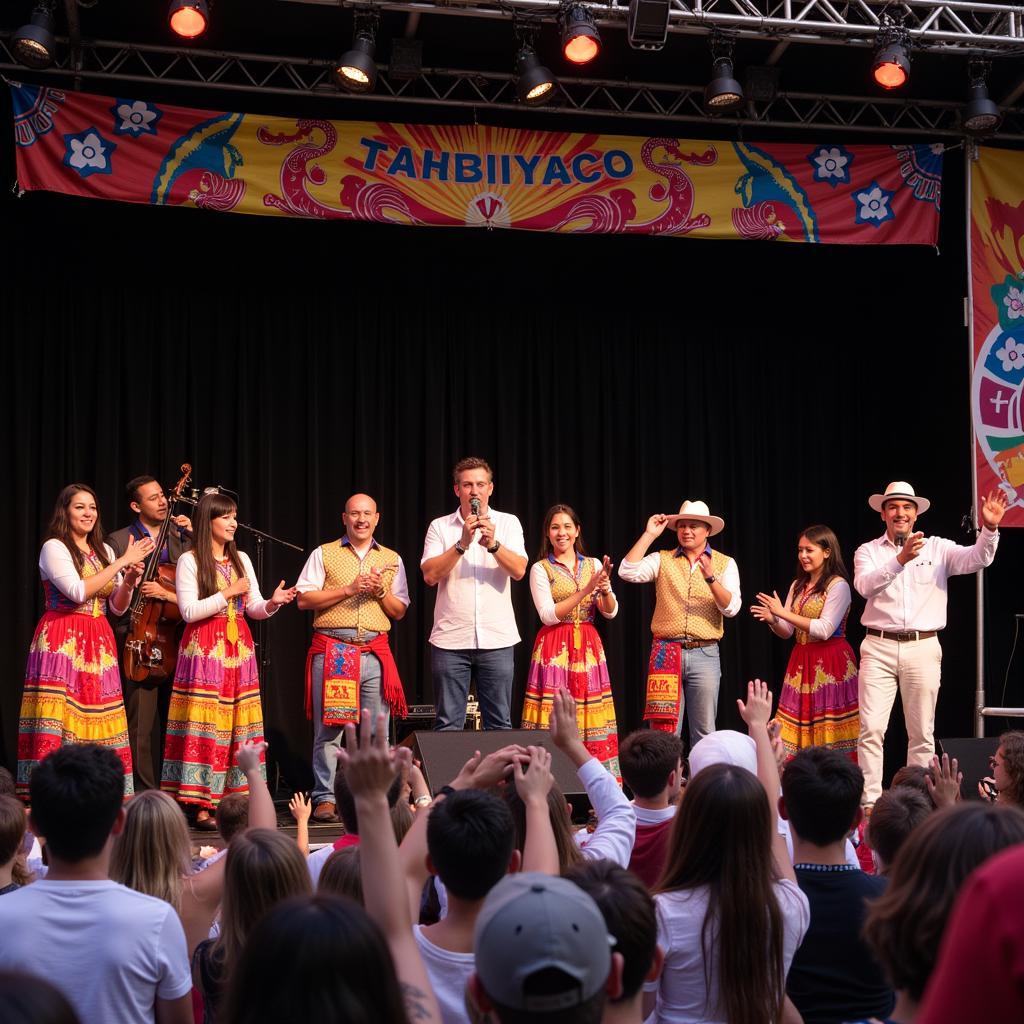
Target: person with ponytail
(215,702)
(72,683)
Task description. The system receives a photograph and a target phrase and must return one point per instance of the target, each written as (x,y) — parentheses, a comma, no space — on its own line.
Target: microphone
(900,539)
(474,506)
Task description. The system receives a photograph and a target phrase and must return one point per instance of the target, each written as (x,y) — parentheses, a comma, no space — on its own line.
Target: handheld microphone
(900,539)
(474,506)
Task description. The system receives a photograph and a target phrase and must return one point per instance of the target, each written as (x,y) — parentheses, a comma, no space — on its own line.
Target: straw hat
(697,510)
(899,489)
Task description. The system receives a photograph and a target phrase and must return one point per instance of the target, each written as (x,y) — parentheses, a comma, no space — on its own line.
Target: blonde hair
(151,855)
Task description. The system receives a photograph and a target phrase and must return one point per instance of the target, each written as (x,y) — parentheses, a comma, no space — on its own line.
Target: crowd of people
(762,877)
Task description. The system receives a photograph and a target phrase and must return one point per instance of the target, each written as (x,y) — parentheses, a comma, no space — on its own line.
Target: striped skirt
(72,693)
(215,706)
(818,705)
(563,657)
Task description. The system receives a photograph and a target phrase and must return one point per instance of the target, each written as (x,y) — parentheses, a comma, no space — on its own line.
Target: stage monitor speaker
(973,754)
(442,754)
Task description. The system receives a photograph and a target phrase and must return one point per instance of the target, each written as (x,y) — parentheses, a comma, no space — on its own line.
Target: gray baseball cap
(530,922)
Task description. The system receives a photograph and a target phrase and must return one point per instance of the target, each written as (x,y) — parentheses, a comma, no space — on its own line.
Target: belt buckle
(906,636)
(689,645)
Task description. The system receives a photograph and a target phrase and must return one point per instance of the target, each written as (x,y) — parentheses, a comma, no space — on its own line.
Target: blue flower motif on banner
(135,117)
(88,152)
(831,164)
(874,205)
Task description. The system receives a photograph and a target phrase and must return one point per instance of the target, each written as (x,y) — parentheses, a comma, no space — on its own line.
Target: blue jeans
(452,671)
(702,674)
(327,738)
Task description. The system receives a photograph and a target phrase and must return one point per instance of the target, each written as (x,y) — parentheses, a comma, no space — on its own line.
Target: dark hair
(76,793)
(833,567)
(1012,744)
(132,487)
(628,912)
(464,465)
(822,789)
(60,527)
(210,507)
(346,803)
(561,824)
(336,961)
(341,875)
(470,838)
(647,757)
(550,981)
(897,812)
(232,815)
(12,827)
(7,787)
(914,776)
(28,999)
(722,839)
(904,926)
(545,540)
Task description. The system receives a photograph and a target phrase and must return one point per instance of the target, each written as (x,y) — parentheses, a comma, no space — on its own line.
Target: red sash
(664,683)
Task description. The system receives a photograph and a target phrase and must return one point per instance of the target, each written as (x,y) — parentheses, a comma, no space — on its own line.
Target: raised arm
(533,781)
(635,567)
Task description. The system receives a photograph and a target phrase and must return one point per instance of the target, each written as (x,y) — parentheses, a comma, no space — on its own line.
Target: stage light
(891,68)
(188,18)
(535,84)
(981,115)
(581,42)
(723,92)
(33,44)
(357,70)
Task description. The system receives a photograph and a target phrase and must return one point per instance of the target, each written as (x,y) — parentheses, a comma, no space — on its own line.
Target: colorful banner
(997,282)
(141,152)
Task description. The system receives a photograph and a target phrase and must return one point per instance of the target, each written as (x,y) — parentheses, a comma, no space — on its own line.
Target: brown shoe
(205,822)
(326,813)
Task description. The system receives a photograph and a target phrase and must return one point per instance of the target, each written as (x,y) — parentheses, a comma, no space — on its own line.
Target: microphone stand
(262,650)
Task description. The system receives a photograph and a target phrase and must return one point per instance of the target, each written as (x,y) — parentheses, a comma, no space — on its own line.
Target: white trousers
(914,667)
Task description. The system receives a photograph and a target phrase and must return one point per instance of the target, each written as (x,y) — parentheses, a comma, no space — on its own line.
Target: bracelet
(422,801)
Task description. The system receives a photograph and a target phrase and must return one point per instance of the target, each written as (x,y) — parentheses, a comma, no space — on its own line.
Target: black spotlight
(534,83)
(581,42)
(981,115)
(723,92)
(891,68)
(34,44)
(357,70)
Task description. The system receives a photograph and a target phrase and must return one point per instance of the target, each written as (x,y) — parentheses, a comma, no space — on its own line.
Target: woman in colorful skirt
(215,702)
(818,704)
(568,590)
(72,680)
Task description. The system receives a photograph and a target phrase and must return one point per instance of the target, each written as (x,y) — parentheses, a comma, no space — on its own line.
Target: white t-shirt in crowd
(682,990)
(110,950)
(448,973)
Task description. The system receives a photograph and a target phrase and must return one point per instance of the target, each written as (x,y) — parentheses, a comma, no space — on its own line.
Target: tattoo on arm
(414,999)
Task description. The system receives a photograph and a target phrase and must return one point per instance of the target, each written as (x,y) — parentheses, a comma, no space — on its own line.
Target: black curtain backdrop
(298,362)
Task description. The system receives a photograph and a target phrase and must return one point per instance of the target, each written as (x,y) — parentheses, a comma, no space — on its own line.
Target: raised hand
(136,551)
(486,538)
(496,766)
(656,524)
(757,710)
(283,594)
(370,766)
(944,781)
(300,807)
(993,508)
(771,603)
(247,756)
(761,613)
(535,780)
(565,729)
(911,548)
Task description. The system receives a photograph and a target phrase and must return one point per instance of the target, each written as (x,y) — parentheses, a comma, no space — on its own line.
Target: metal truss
(942,25)
(107,64)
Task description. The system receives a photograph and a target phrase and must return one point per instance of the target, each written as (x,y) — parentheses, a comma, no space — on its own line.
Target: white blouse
(837,601)
(540,588)
(58,567)
(193,608)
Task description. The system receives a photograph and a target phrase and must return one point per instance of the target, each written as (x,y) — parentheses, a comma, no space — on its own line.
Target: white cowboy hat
(899,489)
(697,510)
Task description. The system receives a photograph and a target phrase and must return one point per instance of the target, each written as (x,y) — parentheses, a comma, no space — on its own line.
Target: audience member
(340,875)
(628,912)
(542,953)
(25,999)
(115,954)
(301,810)
(905,926)
(834,977)
(897,812)
(151,855)
(730,914)
(263,868)
(1007,764)
(651,762)
(12,836)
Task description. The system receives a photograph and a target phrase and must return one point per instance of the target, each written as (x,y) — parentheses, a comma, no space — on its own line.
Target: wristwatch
(497,544)
(458,547)
(709,580)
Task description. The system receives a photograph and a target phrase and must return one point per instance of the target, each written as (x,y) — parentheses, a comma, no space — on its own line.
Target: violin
(151,648)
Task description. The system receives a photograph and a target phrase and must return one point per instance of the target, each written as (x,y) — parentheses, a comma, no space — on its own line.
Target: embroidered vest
(812,607)
(564,584)
(364,611)
(95,606)
(685,606)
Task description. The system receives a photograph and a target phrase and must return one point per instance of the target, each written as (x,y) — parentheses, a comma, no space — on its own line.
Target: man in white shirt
(115,954)
(471,556)
(902,577)
(356,589)
(696,587)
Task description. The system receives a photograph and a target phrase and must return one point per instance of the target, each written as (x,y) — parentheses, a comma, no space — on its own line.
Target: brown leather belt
(689,645)
(908,636)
